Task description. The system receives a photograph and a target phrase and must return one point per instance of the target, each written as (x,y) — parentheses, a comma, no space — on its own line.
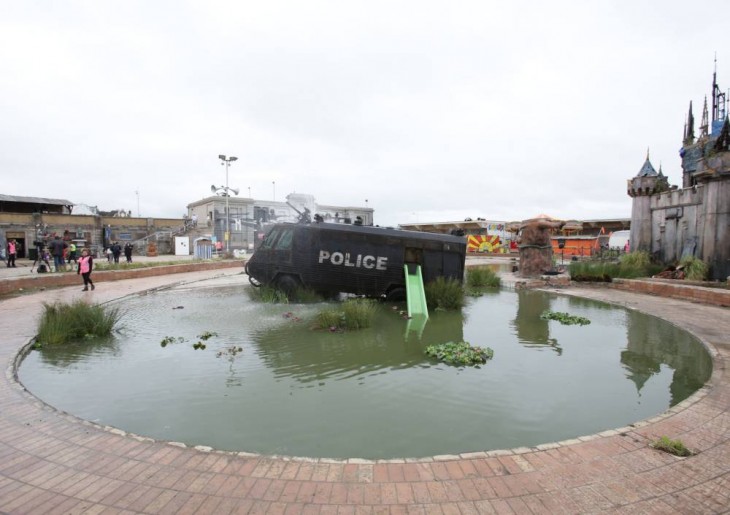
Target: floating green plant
(207,335)
(459,353)
(675,447)
(199,345)
(167,340)
(229,352)
(564,318)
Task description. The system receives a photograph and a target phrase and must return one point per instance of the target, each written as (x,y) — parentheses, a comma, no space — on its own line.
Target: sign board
(182,246)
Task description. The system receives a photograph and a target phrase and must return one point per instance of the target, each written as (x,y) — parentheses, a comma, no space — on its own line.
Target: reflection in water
(67,355)
(371,393)
(653,343)
(315,355)
(531,329)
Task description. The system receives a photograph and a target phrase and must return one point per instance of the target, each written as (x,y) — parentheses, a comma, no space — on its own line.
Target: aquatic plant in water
(482,277)
(353,314)
(63,323)
(444,294)
(459,353)
(167,340)
(564,318)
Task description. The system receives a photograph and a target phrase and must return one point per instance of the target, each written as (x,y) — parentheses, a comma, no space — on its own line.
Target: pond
(371,393)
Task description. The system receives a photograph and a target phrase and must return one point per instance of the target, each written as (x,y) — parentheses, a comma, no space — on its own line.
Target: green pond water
(370,393)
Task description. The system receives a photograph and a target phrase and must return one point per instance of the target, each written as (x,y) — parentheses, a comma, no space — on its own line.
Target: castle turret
(673,223)
(641,188)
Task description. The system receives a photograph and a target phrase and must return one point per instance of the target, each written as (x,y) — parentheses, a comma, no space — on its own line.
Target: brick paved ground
(54,463)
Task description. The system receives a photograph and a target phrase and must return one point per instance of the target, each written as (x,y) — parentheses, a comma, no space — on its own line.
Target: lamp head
(234,190)
(213,188)
(221,156)
(233,158)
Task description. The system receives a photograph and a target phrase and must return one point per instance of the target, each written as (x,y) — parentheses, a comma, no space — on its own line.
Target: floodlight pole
(227,161)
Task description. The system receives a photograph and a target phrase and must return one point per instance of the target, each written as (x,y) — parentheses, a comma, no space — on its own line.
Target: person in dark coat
(128,251)
(116,251)
(57,247)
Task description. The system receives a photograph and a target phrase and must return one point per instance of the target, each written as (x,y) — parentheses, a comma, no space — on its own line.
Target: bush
(694,269)
(631,266)
(482,277)
(63,323)
(638,259)
(446,294)
(593,271)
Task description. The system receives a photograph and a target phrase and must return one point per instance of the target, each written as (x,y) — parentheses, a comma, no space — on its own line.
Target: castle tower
(641,188)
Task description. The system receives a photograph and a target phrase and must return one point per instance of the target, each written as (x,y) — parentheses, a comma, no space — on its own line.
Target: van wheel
(397,294)
(287,284)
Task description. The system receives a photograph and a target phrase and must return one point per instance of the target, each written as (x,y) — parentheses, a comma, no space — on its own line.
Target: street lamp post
(274,184)
(227,162)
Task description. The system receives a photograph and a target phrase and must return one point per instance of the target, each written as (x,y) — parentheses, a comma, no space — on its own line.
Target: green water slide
(415,292)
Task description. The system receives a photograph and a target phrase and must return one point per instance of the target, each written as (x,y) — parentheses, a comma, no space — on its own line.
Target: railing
(142,243)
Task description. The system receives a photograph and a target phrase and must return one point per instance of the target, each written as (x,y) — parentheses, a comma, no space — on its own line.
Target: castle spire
(705,121)
(689,127)
(647,170)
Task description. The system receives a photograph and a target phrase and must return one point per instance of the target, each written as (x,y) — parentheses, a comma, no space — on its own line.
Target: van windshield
(285,240)
(270,238)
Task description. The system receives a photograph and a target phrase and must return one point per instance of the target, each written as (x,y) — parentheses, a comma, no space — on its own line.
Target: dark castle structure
(672,222)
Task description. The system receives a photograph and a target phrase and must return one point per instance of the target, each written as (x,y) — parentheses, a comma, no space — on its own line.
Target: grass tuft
(353,314)
(63,323)
(268,295)
(675,447)
(482,277)
(445,294)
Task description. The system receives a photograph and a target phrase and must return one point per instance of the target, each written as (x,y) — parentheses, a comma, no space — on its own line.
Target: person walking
(12,252)
(128,251)
(84,267)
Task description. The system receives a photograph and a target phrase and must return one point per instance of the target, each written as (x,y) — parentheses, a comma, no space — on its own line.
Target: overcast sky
(431,111)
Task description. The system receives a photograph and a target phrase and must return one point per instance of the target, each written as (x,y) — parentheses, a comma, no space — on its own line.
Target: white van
(618,240)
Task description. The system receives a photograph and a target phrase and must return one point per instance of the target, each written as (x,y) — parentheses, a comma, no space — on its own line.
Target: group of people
(115,250)
(60,250)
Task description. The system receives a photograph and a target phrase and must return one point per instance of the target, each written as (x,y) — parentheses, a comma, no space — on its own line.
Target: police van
(332,258)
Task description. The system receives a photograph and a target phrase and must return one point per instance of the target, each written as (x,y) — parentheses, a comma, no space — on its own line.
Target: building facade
(248,219)
(694,220)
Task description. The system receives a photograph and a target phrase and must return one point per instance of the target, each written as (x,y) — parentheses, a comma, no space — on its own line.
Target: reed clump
(445,294)
(63,323)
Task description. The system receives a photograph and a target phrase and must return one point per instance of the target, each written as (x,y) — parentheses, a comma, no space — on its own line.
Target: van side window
(285,240)
(269,240)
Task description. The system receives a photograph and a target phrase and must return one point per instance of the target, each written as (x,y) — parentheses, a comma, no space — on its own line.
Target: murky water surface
(371,393)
